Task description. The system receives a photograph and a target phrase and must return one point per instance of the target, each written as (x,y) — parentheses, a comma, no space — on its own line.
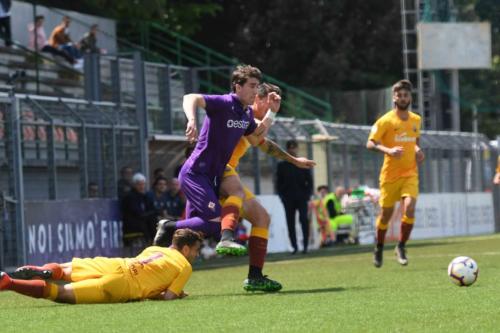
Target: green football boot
(230,247)
(262,284)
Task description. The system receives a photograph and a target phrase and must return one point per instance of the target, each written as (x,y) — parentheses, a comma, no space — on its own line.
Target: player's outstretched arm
(271,148)
(274,101)
(190,103)
(169,296)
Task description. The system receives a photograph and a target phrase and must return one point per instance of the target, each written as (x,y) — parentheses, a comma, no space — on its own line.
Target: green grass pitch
(331,290)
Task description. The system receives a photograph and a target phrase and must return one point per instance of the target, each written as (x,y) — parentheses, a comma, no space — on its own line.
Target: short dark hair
(402,85)
(291,144)
(159,179)
(186,237)
(157,171)
(39,17)
(322,187)
(265,89)
(242,73)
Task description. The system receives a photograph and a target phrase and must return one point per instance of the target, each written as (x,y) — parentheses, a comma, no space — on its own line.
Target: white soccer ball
(463,271)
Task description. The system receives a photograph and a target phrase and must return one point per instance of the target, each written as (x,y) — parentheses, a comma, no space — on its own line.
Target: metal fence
(53,148)
(455,161)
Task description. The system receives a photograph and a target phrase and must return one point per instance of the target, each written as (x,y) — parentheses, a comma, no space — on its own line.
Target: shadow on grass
(340,250)
(283,292)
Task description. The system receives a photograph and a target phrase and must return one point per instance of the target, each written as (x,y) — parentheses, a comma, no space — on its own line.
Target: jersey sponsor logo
(237,124)
(211,205)
(404,138)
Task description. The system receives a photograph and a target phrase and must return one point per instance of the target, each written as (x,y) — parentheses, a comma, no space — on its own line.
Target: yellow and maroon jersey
(391,131)
(498,165)
(157,269)
(239,151)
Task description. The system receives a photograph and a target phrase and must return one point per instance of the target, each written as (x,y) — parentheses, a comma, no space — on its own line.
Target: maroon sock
(381,236)
(257,249)
(32,288)
(405,232)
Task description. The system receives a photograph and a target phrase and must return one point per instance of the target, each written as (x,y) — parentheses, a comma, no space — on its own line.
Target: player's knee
(65,294)
(386,215)
(266,219)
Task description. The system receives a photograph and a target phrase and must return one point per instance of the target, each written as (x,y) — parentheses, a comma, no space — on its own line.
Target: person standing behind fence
(157,197)
(496,179)
(5,30)
(295,189)
(176,201)
(125,182)
(396,135)
(138,215)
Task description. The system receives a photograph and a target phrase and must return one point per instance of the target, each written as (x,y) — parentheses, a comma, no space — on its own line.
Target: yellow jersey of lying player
(158,269)
(391,131)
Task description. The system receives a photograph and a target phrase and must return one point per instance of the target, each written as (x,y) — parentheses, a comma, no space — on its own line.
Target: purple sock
(198,224)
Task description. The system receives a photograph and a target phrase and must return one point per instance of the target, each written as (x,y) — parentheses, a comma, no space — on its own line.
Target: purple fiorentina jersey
(225,124)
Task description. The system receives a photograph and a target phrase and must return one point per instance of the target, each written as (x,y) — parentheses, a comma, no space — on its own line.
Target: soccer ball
(463,271)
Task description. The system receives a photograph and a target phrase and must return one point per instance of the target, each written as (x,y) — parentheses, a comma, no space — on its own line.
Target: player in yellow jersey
(156,273)
(496,179)
(396,135)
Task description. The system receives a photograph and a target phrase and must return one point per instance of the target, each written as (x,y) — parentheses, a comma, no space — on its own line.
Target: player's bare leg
(257,246)
(232,190)
(407,221)
(381,229)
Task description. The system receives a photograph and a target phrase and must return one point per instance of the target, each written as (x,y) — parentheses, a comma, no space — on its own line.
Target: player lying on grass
(156,273)
(238,200)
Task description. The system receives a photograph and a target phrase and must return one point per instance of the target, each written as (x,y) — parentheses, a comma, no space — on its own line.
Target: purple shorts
(200,192)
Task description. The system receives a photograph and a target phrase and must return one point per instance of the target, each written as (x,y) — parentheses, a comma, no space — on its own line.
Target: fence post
(17,165)
(141,111)
(166,94)
(92,77)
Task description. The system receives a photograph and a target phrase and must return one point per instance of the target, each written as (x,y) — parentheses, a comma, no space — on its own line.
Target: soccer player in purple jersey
(229,117)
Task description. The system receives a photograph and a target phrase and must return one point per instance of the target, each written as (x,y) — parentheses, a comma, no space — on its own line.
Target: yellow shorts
(99,280)
(230,171)
(390,193)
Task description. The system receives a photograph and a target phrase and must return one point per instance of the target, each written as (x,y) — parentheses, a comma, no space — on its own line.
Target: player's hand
(395,151)
(191,131)
(304,163)
(420,156)
(274,101)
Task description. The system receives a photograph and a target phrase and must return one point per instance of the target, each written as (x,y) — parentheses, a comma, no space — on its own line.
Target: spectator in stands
(38,40)
(60,39)
(158,172)
(176,202)
(88,43)
(125,182)
(157,196)
(187,152)
(5,30)
(294,187)
(138,215)
(93,190)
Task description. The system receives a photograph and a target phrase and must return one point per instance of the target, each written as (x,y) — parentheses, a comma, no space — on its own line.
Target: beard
(403,106)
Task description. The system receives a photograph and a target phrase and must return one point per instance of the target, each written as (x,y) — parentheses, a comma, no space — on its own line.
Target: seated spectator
(38,40)
(61,40)
(176,202)
(125,182)
(93,190)
(88,43)
(138,215)
(157,197)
